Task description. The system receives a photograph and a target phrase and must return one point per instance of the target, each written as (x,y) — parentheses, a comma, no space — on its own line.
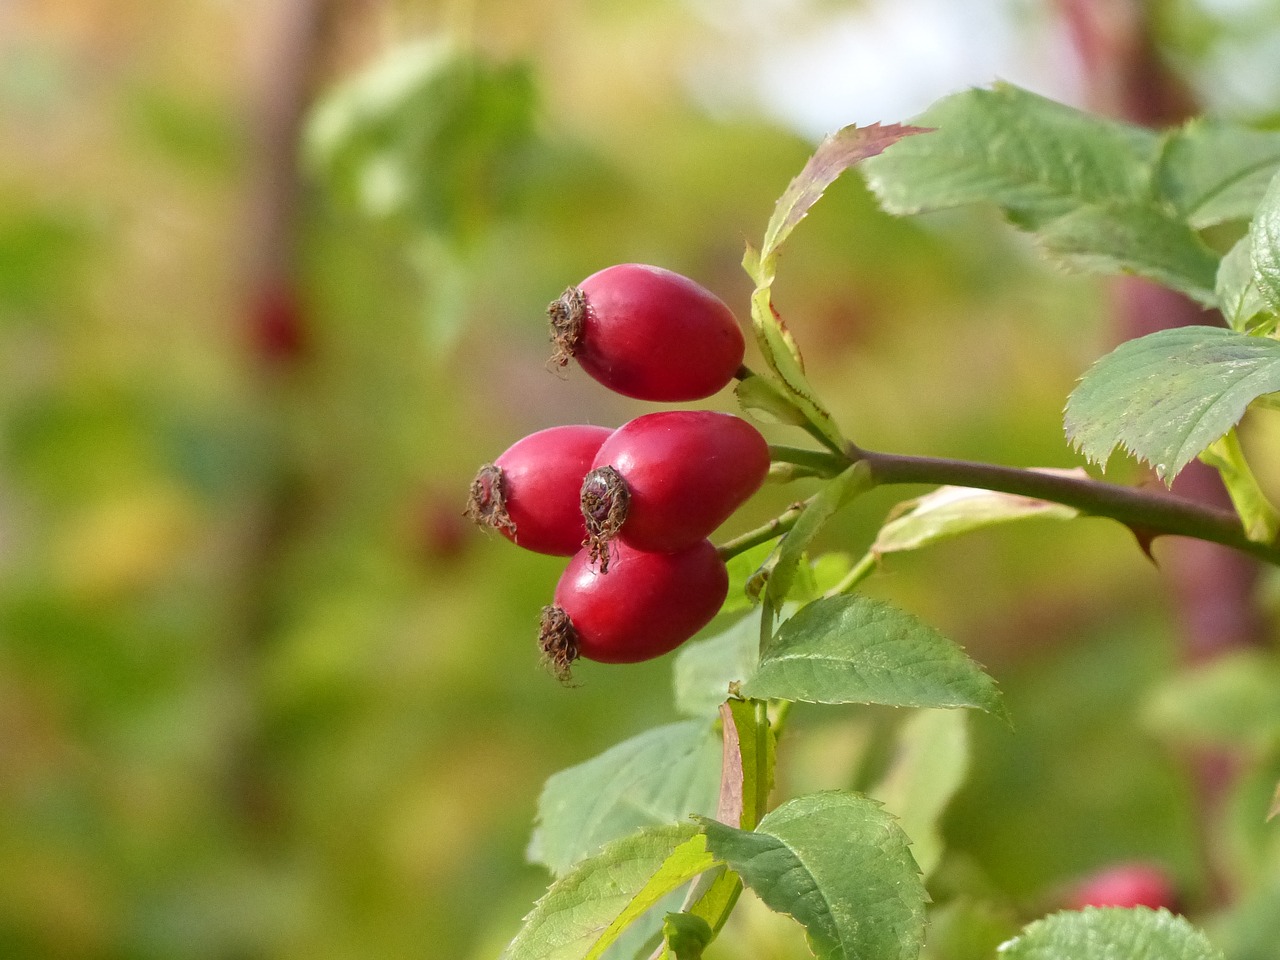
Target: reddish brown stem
(291,38)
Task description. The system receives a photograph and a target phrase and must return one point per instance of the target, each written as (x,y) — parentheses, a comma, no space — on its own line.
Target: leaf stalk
(1148,513)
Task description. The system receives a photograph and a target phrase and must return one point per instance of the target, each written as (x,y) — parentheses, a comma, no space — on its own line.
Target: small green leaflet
(1110,933)
(1133,238)
(684,937)
(1264,245)
(856,649)
(660,776)
(1257,514)
(585,910)
(1275,805)
(1099,195)
(767,402)
(793,397)
(713,897)
(836,154)
(1167,396)
(952,511)
(1210,172)
(840,865)
(1238,295)
(1037,159)
(929,765)
(781,353)
(643,936)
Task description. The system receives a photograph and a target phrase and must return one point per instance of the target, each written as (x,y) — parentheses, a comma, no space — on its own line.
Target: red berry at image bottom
(1126,885)
(530,494)
(646,605)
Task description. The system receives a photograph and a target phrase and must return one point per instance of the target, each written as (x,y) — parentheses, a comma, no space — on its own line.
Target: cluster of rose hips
(633,507)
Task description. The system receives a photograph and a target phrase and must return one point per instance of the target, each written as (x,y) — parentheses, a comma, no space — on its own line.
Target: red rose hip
(647,333)
(277,326)
(1126,885)
(666,480)
(647,605)
(530,494)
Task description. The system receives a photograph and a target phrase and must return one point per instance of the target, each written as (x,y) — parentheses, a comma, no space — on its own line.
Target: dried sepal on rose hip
(647,605)
(530,494)
(647,333)
(666,480)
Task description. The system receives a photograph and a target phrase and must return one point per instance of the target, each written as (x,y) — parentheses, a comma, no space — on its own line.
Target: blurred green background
(262,692)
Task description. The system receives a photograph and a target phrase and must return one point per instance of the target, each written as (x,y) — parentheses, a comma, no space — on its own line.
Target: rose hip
(530,494)
(647,605)
(666,480)
(647,333)
(1126,885)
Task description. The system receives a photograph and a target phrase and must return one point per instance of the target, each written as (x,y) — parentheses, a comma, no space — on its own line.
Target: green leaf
(713,897)
(833,497)
(1274,810)
(836,154)
(1083,183)
(429,135)
(664,774)
(1264,245)
(794,395)
(780,352)
(952,511)
(929,765)
(1135,238)
(584,911)
(1037,159)
(703,669)
(643,937)
(840,866)
(1257,514)
(1236,288)
(684,937)
(1233,700)
(1166,396)
(767,403)
(749,754)
(855,649)
(1211,172)
(1110,933)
